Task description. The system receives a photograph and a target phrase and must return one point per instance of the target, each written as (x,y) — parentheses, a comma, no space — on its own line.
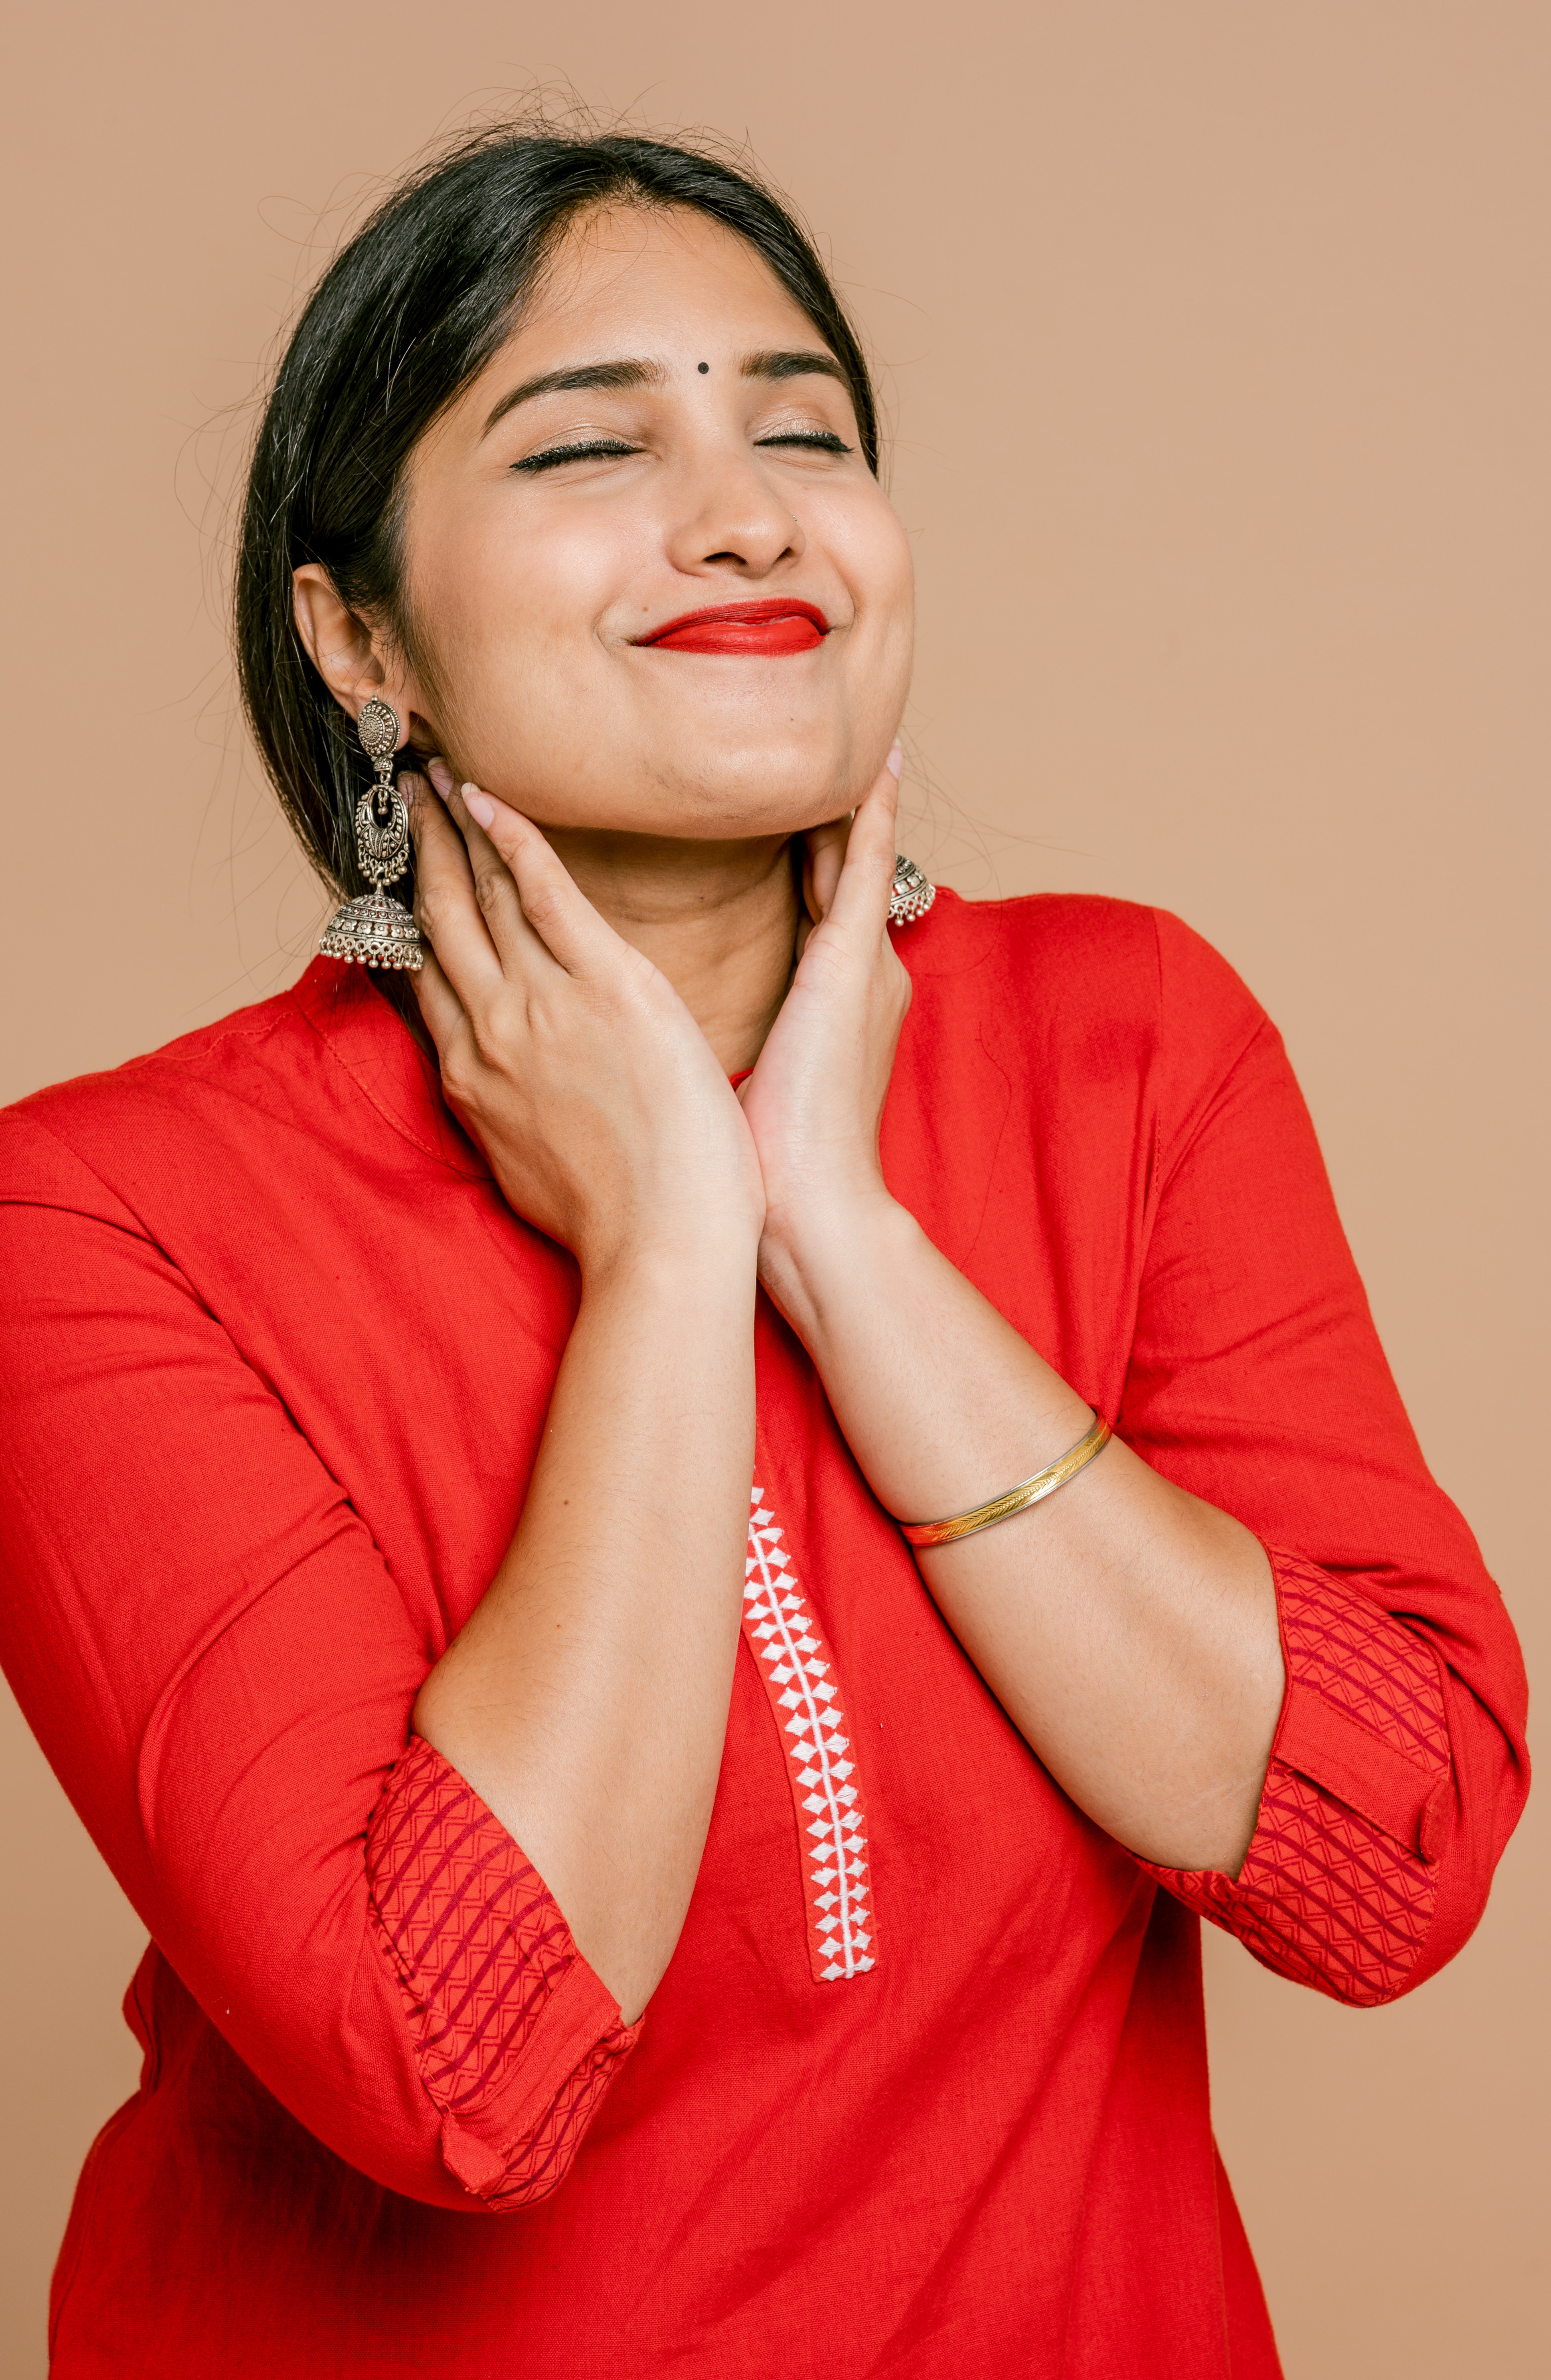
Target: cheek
(502,600)
(893,565)
(879,569)
(868,543)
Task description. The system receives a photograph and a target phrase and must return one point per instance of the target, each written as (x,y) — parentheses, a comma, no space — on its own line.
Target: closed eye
(823,441)
(593,450)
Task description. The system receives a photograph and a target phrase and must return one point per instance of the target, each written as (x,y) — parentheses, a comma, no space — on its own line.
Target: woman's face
(665,433)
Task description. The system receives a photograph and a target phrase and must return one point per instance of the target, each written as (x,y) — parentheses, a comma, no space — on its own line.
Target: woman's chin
(713,797)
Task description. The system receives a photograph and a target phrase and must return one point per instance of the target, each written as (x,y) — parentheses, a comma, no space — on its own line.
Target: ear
(354,662)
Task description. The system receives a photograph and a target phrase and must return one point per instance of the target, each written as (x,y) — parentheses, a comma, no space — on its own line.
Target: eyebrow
(791,363)
(636,371)
(629,371)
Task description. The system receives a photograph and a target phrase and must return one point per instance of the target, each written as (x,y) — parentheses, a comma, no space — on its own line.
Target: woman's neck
(719,919)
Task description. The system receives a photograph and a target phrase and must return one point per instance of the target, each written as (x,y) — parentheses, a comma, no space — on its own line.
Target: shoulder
(139,1117)
(1114,967)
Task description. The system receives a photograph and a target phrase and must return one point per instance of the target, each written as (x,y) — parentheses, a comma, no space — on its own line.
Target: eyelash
(822,442)
(594,449)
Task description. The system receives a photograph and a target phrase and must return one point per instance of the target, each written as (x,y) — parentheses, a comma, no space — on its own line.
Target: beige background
(1215,336)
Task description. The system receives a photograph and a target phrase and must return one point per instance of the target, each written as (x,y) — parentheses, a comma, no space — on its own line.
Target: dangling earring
(912,893)
(374,929)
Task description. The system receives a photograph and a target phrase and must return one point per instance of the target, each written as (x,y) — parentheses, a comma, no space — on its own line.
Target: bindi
(705,367)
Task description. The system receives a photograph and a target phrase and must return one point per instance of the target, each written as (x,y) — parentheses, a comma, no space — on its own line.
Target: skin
(606,879)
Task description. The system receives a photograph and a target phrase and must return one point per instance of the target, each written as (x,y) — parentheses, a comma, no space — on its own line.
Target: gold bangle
(1017,1500)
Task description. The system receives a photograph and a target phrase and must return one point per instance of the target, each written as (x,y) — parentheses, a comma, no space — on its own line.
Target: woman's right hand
(586,1697)
(567,1055)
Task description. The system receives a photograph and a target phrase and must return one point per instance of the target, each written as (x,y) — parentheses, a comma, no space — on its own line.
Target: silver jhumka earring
(376,931)
(912,893)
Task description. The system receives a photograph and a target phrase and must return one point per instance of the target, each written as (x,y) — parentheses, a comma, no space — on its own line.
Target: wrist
(673,1265)
(821,1255)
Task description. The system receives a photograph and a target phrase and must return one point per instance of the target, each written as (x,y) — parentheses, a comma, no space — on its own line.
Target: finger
(494,889)
(821,867)
(552,904)
(445,908)
(867,879)
(495,892)
(442,1011)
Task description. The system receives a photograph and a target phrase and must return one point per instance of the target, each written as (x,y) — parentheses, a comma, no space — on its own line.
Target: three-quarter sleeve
(517,2040)
(221,1669)
(1256,1380)
(1339,1884)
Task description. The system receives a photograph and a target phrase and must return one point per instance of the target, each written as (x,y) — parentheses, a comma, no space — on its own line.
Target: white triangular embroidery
(798,1669)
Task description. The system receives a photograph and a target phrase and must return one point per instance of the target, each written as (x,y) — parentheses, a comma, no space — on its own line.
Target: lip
(774,624)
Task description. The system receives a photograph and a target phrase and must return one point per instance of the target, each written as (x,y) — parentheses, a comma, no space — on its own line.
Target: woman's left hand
(814,1100)
(1129,1631)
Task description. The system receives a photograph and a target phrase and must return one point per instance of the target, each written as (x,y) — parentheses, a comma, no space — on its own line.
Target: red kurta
(924,2089)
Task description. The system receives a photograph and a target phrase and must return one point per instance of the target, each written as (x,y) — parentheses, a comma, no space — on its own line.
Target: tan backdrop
(1214,334)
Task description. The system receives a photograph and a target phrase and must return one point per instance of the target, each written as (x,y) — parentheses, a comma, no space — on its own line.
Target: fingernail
(478,806)
(440,777)
(895,763)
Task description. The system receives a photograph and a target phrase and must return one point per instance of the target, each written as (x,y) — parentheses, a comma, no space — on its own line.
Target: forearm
(1129,1629)
(586,1699)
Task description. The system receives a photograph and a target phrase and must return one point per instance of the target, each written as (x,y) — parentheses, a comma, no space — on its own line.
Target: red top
(924,2089)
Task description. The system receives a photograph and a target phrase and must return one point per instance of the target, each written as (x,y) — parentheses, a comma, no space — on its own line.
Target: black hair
(411,309)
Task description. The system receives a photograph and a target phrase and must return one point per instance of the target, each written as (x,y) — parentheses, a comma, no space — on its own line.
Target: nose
(732,516)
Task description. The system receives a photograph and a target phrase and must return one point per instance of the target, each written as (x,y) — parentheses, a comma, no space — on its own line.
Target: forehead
(652,281)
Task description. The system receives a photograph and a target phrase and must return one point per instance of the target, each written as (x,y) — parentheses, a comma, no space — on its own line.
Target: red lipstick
(776,624)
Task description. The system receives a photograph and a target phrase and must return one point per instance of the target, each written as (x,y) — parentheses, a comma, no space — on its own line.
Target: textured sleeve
(516,2038)
(220,1669)
(1340,1881)
(1256,1380)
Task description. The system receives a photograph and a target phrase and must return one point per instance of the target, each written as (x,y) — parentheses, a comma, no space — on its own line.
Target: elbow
(515,2146)
(470,2145)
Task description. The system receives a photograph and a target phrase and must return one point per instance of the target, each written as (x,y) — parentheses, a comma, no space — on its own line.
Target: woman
(601,1924)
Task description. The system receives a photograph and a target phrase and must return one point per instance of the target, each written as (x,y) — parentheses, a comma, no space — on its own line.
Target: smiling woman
(675,1534)
(555,511)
